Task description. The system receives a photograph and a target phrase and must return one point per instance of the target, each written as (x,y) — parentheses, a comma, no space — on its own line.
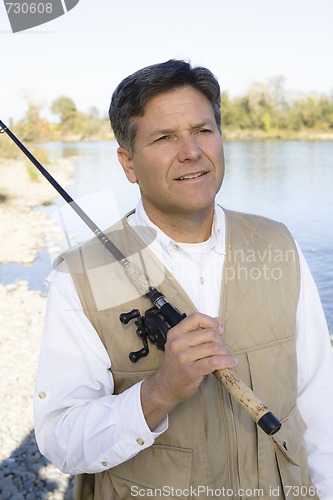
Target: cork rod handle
(248,400)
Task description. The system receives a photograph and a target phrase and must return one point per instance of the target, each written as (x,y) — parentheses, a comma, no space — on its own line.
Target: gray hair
(132,94)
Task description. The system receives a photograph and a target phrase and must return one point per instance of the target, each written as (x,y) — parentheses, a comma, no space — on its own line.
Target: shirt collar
(140,218)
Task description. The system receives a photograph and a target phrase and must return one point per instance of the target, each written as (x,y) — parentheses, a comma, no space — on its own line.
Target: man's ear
(125,159)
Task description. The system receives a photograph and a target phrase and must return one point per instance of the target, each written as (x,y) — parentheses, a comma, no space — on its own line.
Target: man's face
(178,158)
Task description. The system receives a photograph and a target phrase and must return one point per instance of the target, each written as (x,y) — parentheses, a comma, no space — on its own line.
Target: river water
(288,181)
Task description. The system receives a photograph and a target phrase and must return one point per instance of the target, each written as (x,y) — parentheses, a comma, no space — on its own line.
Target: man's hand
(194,348)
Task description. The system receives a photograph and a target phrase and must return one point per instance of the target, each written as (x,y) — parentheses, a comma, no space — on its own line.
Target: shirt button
(104,464)
(42,395)
(202,280)
(175,246)
(140,441)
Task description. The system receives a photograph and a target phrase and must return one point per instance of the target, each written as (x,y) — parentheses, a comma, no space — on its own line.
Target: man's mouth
(191,176)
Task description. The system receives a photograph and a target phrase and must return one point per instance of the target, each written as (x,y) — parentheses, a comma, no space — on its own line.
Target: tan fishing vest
(212,448)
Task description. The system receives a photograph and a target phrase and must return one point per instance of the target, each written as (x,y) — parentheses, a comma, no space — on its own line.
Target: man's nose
(188,149)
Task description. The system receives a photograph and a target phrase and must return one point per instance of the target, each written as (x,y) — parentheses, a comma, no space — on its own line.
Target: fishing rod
(157,320)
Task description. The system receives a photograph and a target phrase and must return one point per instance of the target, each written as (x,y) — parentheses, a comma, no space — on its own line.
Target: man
(164,426)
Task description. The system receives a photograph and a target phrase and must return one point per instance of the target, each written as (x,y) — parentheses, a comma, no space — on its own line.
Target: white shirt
(82,427)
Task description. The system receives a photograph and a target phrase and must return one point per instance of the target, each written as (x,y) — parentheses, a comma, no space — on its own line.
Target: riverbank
(23,229)
(276,135)
(24,473)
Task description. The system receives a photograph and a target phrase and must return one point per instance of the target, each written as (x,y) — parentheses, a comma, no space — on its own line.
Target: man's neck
(185,228)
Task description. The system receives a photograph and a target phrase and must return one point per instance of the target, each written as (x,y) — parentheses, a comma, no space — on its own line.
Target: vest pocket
(159,470)
(289,439)
(291,456)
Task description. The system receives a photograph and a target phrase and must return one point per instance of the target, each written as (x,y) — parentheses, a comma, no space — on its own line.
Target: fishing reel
(152,326)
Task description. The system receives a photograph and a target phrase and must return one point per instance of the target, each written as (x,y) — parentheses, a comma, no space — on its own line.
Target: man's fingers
(196,321)
(197,337)
(201,344)
(212,363)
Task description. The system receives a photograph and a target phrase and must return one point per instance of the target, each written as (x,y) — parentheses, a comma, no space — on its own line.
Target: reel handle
(134,356)
(127,317)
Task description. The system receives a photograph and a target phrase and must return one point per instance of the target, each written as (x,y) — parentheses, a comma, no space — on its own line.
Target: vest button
(42,395)
(104,464)
(140,441)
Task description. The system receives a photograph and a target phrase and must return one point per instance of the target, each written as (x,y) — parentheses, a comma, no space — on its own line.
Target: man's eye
(162,138)
(205,131)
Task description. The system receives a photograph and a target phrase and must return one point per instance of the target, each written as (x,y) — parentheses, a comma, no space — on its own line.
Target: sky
(86,52)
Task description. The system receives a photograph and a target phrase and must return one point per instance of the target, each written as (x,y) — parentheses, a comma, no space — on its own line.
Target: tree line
(266,108)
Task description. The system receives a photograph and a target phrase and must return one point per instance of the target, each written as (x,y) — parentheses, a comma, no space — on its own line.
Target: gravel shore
(24,473)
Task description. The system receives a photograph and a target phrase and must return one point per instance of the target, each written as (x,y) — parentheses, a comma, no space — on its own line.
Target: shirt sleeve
(80,425)
(315,382)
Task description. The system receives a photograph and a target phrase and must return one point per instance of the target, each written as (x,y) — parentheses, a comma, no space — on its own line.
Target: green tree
(33,128)
(77,123)
(66,109)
